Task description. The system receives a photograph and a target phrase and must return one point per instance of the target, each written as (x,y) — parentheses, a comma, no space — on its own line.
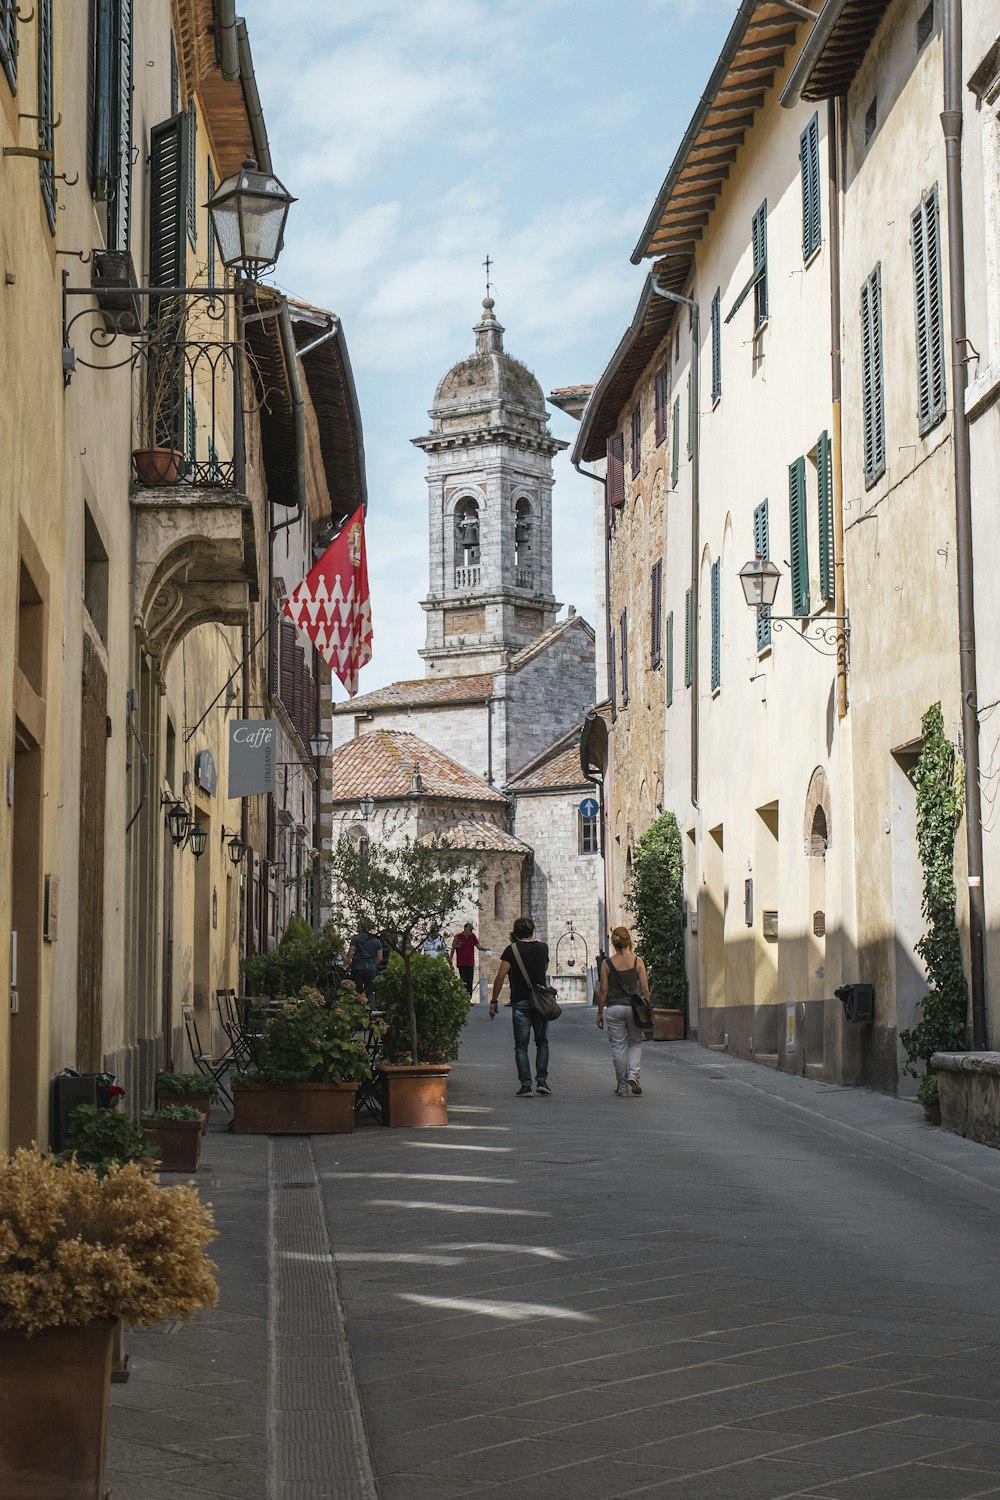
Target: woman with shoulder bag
(624,992)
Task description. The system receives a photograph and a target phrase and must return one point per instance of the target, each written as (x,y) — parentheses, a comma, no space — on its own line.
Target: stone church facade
(478,747)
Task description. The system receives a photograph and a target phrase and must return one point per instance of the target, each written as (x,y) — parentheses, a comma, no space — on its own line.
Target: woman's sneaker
(633,1084)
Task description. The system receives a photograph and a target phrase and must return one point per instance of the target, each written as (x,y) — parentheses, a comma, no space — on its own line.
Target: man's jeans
(527,1021)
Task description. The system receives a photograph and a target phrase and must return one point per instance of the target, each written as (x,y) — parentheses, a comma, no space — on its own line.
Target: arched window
(819,836)
(467,552)
(522,543)
(498,900)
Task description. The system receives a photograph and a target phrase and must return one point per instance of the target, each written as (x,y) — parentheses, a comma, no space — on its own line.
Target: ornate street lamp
(178,821)
(237,848)
(760,580)
(367,806)
(319,744)
(248,212)
(198,838)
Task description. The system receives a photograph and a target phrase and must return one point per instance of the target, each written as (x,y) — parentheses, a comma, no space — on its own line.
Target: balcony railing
(467,578)
(186,403)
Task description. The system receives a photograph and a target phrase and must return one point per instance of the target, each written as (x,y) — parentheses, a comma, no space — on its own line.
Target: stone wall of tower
(545,697)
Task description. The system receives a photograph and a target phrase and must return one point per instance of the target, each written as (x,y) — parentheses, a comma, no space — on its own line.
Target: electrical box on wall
(770,924)
(748,902)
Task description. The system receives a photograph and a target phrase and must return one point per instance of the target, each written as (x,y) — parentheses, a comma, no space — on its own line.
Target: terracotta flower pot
(179,1142)
(196,1101)
(294,1108)
(414,1093)
(156,466)
(54,1391)
(668,1025)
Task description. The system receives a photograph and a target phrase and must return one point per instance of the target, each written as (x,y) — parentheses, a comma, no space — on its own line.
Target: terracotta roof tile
(381,764)
(422,692)
(478,833)
(557,768)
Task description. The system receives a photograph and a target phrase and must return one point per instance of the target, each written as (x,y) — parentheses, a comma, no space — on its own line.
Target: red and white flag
(331,604)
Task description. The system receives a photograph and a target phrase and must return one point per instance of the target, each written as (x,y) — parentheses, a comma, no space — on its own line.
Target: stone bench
(969,1086)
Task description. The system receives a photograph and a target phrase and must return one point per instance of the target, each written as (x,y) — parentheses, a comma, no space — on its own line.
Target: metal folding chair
(206,1063)
(243,1038)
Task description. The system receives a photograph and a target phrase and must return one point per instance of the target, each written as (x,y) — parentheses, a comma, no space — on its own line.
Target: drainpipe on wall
(662,291)
(951,124)
(837,476)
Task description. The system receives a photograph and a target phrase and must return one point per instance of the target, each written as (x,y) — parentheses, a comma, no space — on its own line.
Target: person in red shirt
(463,951)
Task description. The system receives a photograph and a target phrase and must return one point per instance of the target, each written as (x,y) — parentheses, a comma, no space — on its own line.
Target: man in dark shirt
(363,958)
(535,957)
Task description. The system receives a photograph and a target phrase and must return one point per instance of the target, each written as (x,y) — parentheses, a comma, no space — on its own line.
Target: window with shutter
(636,438)
(612,675)
(8,42)
(616,471)
(211,231)
(662,401)
(675,457)
(716,346)
(759,244)
(824,477)
(46,111)
(811,198)
(716,626)
(656,614)
(274,649)
(872,393)
(298,688)
(623,635)
(668,647)
(925,225)
(169,151)
(286,680)
(762,548)
(175,82)
(799,533)
(119,158)
(690,441)
(191,193)
(688,637)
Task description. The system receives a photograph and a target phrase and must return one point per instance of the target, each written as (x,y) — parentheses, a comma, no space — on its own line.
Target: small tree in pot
(657,899)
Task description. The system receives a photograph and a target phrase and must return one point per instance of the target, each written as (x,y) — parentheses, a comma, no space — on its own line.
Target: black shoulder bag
(543,997)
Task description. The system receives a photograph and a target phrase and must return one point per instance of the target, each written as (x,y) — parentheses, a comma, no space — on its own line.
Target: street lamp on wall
(237,848)
(760,578)
(319,744)
(248,212)
(178,821)
(367,806)
(198,839)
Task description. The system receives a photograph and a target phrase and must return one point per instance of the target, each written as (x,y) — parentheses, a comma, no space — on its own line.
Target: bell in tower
(489,479)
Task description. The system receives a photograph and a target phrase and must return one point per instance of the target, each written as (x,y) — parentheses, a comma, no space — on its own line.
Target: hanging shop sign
(252,745)
(205,775)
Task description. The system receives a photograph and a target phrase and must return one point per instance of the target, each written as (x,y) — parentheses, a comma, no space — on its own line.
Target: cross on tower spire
(488,263)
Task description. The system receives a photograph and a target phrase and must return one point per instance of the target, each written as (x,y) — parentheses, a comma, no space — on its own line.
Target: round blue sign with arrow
(589,807)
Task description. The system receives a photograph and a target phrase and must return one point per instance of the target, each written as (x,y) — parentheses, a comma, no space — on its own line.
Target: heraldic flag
(331,604)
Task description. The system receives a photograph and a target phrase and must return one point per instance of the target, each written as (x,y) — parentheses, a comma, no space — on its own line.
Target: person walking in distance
(363,958)
(622,977)
(535,958)
(463,954)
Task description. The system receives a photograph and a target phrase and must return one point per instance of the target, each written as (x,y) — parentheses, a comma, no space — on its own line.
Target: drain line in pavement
(317,1445)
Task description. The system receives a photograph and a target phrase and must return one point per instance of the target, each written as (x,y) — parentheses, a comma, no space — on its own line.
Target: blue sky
(417,136)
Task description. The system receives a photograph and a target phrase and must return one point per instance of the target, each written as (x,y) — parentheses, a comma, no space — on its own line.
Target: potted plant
(310,1060)
(407,892)
(100,1138)
(159,460)
(187,1088)
(175,1133)
(302,957)
(657,899)
(80,1251)
(930,1098)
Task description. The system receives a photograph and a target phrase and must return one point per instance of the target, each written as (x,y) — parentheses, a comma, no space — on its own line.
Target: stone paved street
(739,1285)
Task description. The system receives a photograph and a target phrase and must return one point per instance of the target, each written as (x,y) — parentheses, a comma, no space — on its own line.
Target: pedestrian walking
(433,945)
(363,958)
(534,960)
(623,979)
(463,954)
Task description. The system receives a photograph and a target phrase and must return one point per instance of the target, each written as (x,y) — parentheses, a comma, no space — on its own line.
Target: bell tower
(489,478)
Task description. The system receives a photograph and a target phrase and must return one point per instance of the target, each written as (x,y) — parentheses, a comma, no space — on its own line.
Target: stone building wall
(564,885)
(547,695)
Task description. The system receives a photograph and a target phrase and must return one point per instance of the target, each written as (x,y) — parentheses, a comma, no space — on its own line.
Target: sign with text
(252,749)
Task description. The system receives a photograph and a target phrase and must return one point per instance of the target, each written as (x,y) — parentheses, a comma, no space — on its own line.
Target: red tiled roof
(557,768)
(381,765)
(478,833)
(422,692)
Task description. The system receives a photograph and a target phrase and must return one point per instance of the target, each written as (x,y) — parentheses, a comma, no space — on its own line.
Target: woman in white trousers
(623,976)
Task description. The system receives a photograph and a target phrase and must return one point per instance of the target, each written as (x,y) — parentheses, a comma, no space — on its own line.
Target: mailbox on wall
(858,1001)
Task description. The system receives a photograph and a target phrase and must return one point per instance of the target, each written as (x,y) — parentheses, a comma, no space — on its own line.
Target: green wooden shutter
(762,548)
(623,629)
(119,156)
(656,614)
(675,456)
(716,345)
(925,225)
(46,112)
(758,240)
(691,399)
(669,650)
(175,82)
(716,626)
(211,232)
(8,42)
(825,485)
(612,675)
(688,637)
(872,392)
(168,151)
(811,194)
(799,536)
(191,194)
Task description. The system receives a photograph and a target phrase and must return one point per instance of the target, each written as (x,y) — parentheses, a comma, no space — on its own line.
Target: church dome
(490,377)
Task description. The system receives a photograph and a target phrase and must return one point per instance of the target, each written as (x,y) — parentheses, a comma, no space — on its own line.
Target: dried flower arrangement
(75,1247)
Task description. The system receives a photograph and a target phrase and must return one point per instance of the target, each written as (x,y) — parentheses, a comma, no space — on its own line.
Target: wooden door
(93,791)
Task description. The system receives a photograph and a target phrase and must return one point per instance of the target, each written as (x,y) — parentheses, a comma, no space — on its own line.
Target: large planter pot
(668,1025)
(156,466)
(54,1390)
(414,1093)
(196,1101)
(179,1142)
(294,1108)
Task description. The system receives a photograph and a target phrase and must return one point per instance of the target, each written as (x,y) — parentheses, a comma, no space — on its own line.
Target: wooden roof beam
(770,60)
(745,101)
(737,125)
(783,39)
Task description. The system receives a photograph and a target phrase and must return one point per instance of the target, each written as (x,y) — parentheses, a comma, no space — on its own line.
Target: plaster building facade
(506,681)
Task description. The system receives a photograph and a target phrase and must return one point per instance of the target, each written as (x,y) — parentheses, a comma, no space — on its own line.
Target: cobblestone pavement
(738,1285)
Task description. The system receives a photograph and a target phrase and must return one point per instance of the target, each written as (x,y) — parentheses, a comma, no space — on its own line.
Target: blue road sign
(589,807)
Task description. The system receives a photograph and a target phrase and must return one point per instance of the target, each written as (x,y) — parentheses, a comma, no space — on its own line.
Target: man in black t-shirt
(527,1021)
(363,958)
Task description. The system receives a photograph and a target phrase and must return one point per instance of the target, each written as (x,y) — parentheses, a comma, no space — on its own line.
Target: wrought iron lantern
(760,580)
(234,843)
(319,744)
(178,823)
(198,839)
(248,212)
(367,805)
